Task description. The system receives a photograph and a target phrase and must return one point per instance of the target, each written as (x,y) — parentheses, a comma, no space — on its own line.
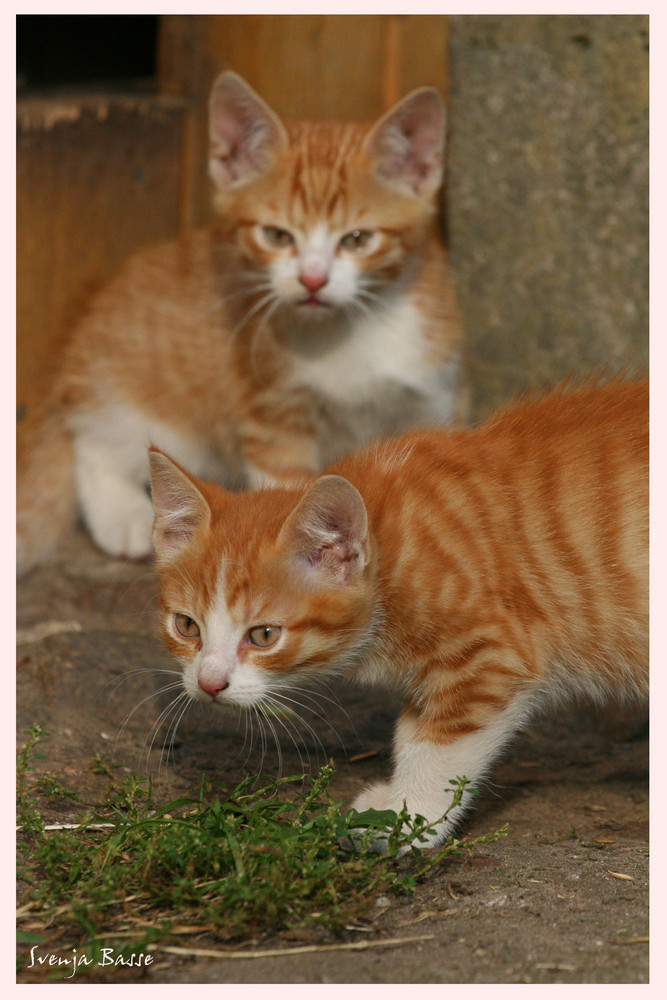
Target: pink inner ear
(242,130)
(408,143)
(329,528)
(336,551)
(180,509)
(340,559)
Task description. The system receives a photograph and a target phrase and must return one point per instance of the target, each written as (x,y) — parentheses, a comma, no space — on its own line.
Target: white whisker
(276,705)
(262,708)
(280,701)
(262,327)
(258,306)
(316,710)
(113,685)
(173,707)
(172,686)
(262,734)
(186,703)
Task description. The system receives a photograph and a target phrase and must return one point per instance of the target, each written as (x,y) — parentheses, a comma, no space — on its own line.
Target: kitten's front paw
(123,530)
(380,796)
(373,797)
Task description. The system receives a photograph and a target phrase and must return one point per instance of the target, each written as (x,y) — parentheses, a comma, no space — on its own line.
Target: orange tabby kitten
(483,573)
(315,314)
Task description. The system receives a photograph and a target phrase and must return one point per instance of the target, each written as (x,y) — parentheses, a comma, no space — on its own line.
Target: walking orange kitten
(315,314)
(483,573)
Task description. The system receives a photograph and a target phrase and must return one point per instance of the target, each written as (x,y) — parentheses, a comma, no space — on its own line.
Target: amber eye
(187,627)
(264,636)
(277,237)
(356,240)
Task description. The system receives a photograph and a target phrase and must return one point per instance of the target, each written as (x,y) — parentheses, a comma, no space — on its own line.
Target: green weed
(228,866)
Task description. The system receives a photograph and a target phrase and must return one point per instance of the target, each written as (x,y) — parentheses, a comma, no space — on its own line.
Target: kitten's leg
(114,503)
(268,475)
(261,479)
(278,455)
(423,769)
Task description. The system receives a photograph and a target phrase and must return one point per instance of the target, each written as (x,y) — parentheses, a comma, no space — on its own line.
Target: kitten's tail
(45,492)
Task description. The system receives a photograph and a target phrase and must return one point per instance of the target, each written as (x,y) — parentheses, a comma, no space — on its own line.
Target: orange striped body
(481,572)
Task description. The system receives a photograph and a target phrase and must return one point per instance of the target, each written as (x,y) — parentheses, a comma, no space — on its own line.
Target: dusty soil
(544,905)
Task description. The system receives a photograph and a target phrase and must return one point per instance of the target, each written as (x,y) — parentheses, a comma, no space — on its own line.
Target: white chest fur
(384,345)
(379,379)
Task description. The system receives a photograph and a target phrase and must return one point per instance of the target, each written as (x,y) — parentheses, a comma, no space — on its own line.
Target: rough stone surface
(547,196)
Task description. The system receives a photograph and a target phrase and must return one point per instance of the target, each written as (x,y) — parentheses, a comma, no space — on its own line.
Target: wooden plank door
(337,66)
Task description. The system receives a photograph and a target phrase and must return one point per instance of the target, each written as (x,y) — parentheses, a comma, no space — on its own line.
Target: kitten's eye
(277,237)
(264,636)
(357,239)
(187,627)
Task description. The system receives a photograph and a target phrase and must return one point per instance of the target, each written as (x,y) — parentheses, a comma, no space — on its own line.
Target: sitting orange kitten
(483,573)
(315,314)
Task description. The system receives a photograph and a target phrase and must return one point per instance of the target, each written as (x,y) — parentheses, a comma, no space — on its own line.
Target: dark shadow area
(57,49)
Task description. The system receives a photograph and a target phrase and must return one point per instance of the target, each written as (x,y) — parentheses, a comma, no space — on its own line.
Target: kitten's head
(259,589)
(327,215)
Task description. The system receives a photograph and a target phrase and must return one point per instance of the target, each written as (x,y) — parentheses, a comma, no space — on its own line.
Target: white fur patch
(422,771)
(111,472)
(377,381)
(385,345)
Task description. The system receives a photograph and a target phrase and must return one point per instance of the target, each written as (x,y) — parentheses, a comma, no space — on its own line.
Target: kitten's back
(531,531)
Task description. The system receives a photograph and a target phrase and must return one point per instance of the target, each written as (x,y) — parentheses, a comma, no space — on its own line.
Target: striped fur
(483,573)
(314,314)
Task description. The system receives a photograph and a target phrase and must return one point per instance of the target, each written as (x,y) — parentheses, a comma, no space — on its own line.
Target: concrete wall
(547,196)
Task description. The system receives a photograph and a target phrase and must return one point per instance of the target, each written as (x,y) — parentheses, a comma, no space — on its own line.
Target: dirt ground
(562,899)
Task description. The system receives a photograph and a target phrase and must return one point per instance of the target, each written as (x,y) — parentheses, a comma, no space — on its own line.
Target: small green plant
(28,815)
(231,866)
(51,787)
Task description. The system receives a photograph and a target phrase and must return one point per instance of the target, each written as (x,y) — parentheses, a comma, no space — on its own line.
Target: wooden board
(336,66)
(97,178)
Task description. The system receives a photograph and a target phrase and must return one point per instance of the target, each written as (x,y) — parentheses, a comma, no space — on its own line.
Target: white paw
(374,797)
(111,470)
(126,533)
(120,519)
(380,796)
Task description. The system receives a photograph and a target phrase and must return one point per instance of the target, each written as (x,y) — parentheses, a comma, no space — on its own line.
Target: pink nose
(313,282)
(213,687)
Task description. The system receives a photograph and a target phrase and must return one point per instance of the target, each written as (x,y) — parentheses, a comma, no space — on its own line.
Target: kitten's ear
(407,144)
(180,509)
(243,130)
(328,530)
